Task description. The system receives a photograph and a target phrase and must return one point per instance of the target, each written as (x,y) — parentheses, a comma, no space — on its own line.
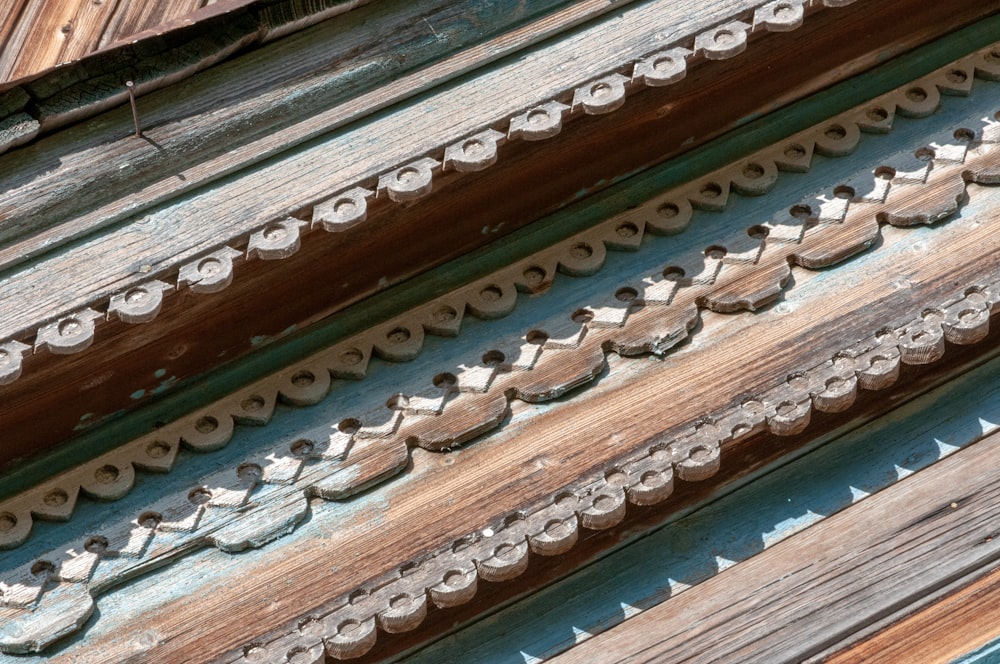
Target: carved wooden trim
(813,234)
(650,317)
(588,94)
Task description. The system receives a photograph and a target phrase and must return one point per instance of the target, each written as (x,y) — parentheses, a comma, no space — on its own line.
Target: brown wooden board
(951,626)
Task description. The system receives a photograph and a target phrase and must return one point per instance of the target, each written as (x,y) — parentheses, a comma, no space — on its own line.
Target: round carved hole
(303,378)
(7,522)
(710,190)
(673,273)
(398,335)
(537,337)
(877,114)
(157,449)
(70,327)
(253,403)
(345,207)
(835,132)
(794,151)
(668,210)
(397,402)
(349,426)
(843,191)
(627,230)
(55,498)
(916,94)
(445,314)
(800,211)
(964,134)
(582,316)
(301,448)
(445,381)
(885,172)
(275,233)
(924,154)
(210,267)
(351,357)
(753,171)
(491,293)
(199,496)
(581,250)
(106,474)
(206,424)
(249,472)
(626,294)
(96,544)
(957,76)
(758,232)
(150,519)
(534,275)
(136,296)
(715,252)
(493,358)
(43,569)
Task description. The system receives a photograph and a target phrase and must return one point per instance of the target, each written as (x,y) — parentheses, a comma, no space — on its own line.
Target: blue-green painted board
(988,654)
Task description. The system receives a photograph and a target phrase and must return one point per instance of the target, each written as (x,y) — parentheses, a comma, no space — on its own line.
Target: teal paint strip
(756,515)
(575,218)
(988,654)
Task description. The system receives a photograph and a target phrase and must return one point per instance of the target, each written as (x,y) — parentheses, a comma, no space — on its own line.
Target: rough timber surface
(480,205)
(910,271)
(953,625)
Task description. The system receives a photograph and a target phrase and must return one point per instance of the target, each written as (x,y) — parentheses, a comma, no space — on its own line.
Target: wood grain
(472,199)
(585,444)
(916,535)
(950,627)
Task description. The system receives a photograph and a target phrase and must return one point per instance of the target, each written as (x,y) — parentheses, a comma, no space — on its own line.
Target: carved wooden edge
(499,551)
(739,272)
(52,595)
(413,179)
(448,576)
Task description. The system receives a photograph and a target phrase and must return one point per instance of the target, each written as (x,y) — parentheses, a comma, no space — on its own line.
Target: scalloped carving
(546,362)
(414,178)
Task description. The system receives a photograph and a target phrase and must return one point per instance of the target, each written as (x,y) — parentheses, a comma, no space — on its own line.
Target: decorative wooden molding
(499,552)
(601,94)
(650,317)
(742,271)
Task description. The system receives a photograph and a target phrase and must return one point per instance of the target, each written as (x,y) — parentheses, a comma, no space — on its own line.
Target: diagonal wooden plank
(864,563)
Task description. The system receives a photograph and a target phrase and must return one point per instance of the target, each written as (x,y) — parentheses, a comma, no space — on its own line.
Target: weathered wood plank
(130,18)
(952,626)
(601,428)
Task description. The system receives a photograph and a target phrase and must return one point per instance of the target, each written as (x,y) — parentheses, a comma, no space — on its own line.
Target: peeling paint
(138,394)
